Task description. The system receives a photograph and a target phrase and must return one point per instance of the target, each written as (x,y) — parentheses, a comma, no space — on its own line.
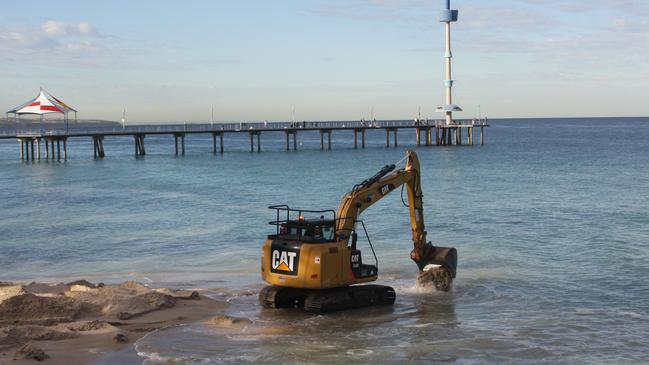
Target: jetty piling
(31,149)
(179,137)
(139,145)
(27,154)
(252,136)
(287,142)
(387,137)
(418,136)
(98,143)
(220,135)
(290,132)
(482,135)
(322,139)
(328,133)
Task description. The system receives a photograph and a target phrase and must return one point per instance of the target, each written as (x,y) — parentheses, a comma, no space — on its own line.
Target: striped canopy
(45,103)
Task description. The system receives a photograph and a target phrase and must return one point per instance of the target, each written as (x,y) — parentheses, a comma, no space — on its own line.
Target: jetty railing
(84,130)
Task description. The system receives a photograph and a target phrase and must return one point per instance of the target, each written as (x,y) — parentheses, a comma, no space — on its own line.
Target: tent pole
(15,126)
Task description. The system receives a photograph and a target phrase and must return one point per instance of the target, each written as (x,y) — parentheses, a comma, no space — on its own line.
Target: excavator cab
(306,252)
(322,230)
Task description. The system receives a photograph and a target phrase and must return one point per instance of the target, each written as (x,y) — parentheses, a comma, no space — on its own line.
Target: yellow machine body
(311,265)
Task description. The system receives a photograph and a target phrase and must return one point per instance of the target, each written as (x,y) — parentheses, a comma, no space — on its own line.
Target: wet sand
(82,323)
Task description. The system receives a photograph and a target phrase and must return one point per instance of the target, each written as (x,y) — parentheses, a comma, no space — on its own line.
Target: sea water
(550,219)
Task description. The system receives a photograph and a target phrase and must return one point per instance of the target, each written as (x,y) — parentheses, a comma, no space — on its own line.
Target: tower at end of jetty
(448,16)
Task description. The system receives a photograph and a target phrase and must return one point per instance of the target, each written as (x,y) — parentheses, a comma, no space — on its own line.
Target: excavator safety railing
(298,214)
(288,213)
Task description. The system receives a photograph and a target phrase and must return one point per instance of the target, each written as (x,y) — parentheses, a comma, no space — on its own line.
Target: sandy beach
(82,322)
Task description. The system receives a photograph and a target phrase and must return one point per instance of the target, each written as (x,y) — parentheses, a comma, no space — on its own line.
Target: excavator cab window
(354,241)
(303,225)
(308,231)
(328,232)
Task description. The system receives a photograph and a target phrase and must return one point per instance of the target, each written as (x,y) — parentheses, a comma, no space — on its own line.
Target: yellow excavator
(313,260)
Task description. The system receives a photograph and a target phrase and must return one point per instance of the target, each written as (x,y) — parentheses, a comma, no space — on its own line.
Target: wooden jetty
(433,133)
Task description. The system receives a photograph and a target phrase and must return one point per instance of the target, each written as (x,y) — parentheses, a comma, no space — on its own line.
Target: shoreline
(84,323)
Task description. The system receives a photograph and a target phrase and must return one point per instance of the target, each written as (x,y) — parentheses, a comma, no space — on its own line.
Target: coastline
(80,323)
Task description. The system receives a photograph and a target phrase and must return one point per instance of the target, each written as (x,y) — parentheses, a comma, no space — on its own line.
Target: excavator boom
(388,179)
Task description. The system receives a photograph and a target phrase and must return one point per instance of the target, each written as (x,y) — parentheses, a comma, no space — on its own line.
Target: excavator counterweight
(313,261)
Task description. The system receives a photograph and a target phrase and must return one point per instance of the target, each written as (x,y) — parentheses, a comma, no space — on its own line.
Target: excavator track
(350,297)
(327,301)
(279,297)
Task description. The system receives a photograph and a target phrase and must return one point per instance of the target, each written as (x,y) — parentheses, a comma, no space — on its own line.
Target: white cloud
(58,28)
(85,28)
(64,44)
(52,27)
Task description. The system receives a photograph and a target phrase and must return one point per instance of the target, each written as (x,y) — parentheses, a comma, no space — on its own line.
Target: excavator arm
(370,191)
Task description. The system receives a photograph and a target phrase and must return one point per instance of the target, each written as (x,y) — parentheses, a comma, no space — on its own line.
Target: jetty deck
(428,133)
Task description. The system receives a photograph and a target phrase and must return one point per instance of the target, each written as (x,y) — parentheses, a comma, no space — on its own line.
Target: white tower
(449,16)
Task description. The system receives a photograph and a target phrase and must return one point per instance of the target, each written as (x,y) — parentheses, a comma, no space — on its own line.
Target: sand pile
(29,308)
(56,313)
(123,301)
(234,326)
(229,321)
(30,351)
(51,304)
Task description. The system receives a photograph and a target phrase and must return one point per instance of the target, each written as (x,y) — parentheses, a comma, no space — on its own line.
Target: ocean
(550,219)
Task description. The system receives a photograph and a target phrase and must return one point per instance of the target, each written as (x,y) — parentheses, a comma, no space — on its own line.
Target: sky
(175,61)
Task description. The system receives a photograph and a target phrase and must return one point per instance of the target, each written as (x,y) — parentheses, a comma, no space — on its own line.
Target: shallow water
(550,220)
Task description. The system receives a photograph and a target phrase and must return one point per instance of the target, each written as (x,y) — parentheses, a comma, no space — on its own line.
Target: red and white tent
(44,103)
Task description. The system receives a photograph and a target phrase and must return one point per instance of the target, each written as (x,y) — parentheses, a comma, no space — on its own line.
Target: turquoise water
(550,219)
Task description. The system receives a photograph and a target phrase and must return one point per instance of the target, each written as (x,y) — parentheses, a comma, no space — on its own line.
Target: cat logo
(356,261)
(386,189)
(284,261)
